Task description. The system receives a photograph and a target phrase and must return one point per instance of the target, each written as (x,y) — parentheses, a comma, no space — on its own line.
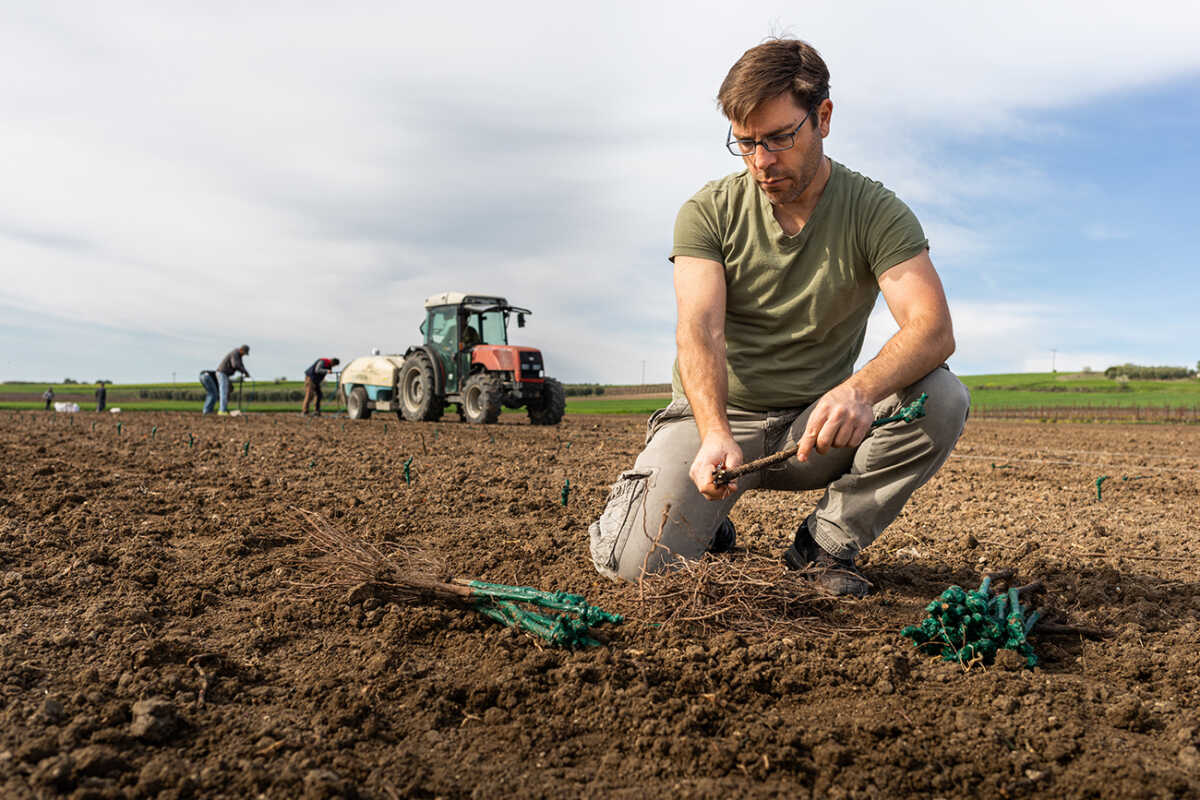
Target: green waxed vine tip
(910,413)
(1100,481)
(499,602)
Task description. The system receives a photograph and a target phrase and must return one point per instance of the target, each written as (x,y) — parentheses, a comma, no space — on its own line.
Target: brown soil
(152,640)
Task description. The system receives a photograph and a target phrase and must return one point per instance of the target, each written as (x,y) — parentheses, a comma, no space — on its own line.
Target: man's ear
(824,116)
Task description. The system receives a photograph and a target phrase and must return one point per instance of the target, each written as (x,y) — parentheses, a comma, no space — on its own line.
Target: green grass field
(1023,390)
(1043,389)
(125,397)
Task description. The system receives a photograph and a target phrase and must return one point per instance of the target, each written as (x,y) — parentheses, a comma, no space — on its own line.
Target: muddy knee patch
(610,533)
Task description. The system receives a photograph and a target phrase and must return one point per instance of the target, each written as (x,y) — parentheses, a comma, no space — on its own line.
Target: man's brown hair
(770,69)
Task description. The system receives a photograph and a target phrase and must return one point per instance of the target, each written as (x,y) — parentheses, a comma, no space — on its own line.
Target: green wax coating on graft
(558,630)
(971,626)
(562,601)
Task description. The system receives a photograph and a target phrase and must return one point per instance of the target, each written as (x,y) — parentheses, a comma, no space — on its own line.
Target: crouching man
(777,268)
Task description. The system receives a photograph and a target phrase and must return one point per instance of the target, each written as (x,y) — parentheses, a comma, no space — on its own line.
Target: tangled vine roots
(749,594)
(394,571)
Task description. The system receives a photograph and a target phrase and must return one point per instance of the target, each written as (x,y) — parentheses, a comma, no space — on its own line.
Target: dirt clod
(154,720)
(52,711)
(98,761)
(163,771)
(56,772)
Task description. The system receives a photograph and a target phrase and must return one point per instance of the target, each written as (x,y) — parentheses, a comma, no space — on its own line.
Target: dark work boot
(838,575)
(725,538)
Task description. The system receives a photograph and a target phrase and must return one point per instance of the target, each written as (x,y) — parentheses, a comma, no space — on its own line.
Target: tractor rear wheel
(481,398)
(419,400)
(356,404)
(552,406)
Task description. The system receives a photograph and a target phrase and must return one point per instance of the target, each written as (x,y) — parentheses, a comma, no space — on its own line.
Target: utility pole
(1053,359)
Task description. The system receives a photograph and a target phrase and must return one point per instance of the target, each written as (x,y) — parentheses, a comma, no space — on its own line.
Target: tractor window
(492,329)
(442,323)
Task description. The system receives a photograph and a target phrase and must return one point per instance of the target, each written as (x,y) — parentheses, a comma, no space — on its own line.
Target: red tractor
(466,359)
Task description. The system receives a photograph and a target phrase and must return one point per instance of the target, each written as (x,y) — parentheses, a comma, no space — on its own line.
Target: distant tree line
(583,389)
(1139,372)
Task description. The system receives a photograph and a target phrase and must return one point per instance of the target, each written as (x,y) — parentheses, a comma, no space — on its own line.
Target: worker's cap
(245,348)
(334,361)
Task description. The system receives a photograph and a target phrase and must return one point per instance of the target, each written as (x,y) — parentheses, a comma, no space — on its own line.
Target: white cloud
(306,177)
(1006,337)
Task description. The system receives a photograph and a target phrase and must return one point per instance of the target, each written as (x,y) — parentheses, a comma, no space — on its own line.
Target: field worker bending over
(230,364)
(313,376)
(777,268)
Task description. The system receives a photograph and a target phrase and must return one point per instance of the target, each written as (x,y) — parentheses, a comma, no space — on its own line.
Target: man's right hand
(717,450)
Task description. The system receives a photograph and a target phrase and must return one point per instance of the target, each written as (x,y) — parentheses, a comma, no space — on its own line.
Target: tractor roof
(473,302)
(457,298)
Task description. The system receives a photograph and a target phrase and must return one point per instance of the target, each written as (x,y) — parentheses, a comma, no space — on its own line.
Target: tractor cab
(455,324)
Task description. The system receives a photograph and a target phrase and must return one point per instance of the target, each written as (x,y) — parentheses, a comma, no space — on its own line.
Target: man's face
(783,175)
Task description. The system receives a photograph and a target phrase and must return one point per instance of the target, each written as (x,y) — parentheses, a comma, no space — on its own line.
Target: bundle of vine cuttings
(971,626)
(412,575)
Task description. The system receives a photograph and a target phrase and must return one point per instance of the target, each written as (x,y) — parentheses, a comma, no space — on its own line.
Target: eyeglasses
(772,144)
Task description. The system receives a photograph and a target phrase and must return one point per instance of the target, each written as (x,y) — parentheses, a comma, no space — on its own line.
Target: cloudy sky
(181,178)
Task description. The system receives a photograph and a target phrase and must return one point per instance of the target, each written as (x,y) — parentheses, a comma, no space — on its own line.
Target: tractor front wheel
(419,399)
(356,404)
(481,398)
(552,406)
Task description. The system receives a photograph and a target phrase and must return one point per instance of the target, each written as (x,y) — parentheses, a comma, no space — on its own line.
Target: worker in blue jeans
(208,379)
(231,364)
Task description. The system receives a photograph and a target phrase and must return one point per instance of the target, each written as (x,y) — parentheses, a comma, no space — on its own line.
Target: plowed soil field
(154,640)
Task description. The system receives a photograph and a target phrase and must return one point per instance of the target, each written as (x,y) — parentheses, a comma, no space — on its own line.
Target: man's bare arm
(917,301)
(700,341)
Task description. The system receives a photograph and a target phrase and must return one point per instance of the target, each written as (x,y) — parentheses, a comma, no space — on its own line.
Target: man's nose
(762,157)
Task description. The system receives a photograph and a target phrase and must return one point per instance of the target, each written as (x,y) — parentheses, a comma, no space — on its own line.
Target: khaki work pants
(655,515)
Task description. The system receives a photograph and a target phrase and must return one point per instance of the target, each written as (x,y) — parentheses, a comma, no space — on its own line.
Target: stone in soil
(154,720)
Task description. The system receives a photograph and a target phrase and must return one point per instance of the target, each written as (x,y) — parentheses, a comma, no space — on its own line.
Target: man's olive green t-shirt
(796,307)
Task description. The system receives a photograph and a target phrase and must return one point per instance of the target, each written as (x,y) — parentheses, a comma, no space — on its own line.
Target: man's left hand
(842,418)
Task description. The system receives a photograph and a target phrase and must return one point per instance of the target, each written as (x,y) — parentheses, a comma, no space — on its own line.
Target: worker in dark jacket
(101,396)
(312,382)
(48,396)
(229,365)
